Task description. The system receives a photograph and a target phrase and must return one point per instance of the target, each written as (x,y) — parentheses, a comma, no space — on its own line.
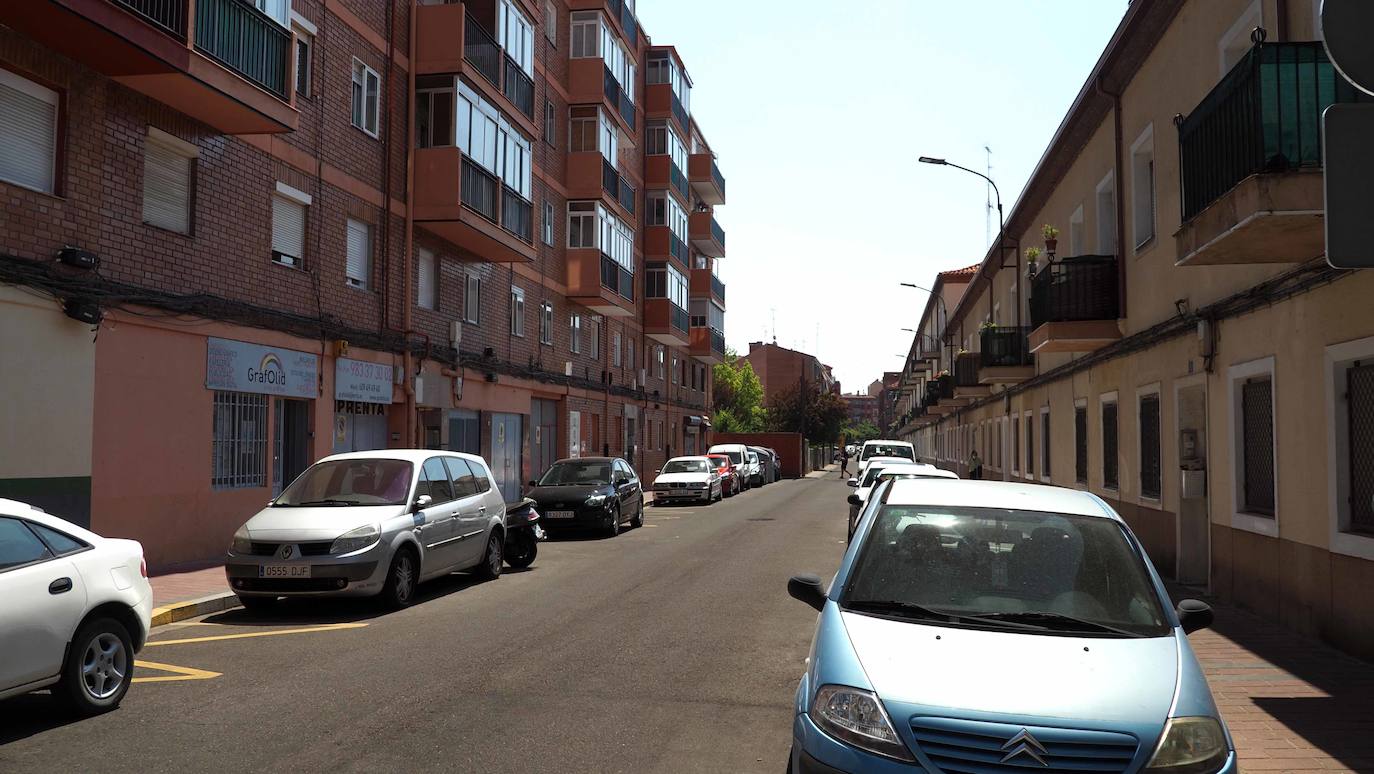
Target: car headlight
(597,499)
(1190,746)
(242,543)
(857,717)
(355,540)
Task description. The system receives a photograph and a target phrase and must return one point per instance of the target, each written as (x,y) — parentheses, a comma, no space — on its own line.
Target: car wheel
(490,568)
(614,528)
(638,520)
(399,590)
(99,667)
(258,604)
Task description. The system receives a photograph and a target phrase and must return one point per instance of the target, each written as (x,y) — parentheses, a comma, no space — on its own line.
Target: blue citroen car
(984,627)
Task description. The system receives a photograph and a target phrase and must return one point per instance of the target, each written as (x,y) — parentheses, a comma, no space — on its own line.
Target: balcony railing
(1081,288)
(627,196)
(480,51)
(678,317)
(1264,116)
(966,366)
(678,249)
(717,177)
(517,214)
(631,27)
(1004,346)
(717,287)
(617,278)
(717,342)
(518,87)
(243,39)
(678,180)
(615,94)
(717,233)
(617,187)
(479,190)
(170,15)
(939,388)
(680,113)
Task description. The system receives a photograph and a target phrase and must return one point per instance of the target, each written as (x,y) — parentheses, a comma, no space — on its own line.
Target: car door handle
(481,509)
(60,586)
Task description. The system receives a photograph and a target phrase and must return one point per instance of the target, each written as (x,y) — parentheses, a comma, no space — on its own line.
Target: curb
(180,611)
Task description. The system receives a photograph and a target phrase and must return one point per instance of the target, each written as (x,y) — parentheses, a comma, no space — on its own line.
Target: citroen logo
(286,551)
(1025,744)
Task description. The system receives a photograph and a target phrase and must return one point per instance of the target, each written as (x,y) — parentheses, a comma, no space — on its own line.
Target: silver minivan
(371,523)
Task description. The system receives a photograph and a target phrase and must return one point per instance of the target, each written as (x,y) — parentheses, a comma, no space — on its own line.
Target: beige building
(1180,347)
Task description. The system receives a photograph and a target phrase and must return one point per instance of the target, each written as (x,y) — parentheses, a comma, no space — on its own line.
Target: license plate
(559,515)
(284,571)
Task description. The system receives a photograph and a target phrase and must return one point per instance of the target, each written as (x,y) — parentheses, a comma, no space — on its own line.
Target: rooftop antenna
(988,215)
(774,312)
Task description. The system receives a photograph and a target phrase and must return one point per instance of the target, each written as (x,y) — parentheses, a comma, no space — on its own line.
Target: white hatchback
(76,609)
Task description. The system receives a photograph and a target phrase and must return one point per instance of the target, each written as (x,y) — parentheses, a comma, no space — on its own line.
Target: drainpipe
(1281,23)
(1120,200)
(412,420)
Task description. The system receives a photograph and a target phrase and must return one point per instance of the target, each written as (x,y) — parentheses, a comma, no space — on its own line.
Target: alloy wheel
(104,666)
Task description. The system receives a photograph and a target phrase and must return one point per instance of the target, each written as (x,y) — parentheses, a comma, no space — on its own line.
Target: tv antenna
(988,215)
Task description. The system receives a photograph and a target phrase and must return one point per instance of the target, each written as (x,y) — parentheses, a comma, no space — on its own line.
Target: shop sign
(360,380)
(238,366)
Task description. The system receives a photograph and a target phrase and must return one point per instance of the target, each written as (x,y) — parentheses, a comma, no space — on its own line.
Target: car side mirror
(422,502)
(854,499)
(533,484)
(808,589)
(1194,614)
(854,482)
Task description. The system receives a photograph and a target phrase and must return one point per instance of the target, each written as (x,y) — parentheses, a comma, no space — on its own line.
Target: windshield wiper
(1056,622)
(897,607)
(329,501)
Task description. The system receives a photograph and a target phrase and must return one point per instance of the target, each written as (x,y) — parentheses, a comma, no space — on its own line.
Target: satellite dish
(1346,25)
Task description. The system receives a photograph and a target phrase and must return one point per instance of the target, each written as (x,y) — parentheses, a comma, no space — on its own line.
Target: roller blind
(166,188)
(28,132)
(426,283)
(359,266)
(288,230)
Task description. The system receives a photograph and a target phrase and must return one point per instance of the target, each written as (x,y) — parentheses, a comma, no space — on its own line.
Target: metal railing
(627,108)
(939,388)
(627,196)
(170,15)
(478,189)
(680,113)
(1081,288)
(610,179)
(517,214)
(1264,116)
(717,342)
(678,180)
(617,278)
(678,317)
(245,40)
(517,86)
(717,233)
(480,51)
(717,287)
(1004,346)
(677,248)
(966,366)
(628,23)
(717,177)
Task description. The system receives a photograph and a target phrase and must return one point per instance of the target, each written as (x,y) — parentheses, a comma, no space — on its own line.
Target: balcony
(666,322)
(592,176)
(660,243)
(708,345)
(966,381)
(598,283)
(484,57)
(1074,305)
(221,61)
(591,82)
(1251,157)
(465,204)
(1006,357)
(706,178)
(617,12)
(706,234)
(661,102)
(661,173)
(704,284)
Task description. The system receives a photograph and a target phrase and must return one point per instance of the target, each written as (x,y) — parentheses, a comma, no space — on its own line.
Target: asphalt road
(673,647)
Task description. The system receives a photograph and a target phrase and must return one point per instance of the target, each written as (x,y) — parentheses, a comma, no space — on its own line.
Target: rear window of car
(60,542)
(19,545)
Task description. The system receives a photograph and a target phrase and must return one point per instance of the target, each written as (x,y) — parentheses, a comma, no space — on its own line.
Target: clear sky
(818,111)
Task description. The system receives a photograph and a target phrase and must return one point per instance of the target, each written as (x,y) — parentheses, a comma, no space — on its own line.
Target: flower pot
(1050,244)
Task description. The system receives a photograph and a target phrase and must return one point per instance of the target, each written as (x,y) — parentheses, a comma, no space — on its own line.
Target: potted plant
(988,325)
(1051,235)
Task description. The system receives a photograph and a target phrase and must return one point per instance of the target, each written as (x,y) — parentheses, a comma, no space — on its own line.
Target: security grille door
(464,432)
(1109,470)
(1149,446)
(1080,444)
(544,425)
(1360,402)
(1257,420)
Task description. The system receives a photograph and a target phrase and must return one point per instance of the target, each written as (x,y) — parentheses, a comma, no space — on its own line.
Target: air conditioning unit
(567,368)
(455,334)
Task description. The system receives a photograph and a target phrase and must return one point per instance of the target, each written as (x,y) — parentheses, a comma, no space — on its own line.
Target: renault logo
(287,551)
(1024,744)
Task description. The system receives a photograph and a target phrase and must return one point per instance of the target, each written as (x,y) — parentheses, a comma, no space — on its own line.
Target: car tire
(614,528)
(258,604)
(638,520)
(401,579)
(490,568)
(98,669)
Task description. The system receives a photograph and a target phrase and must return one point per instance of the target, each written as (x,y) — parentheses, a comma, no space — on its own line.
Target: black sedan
(589,493)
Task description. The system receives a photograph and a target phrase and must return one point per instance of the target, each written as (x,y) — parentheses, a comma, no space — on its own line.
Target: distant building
(780,368)
(862,407)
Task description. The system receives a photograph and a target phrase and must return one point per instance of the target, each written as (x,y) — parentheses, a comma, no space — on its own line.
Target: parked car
(76,608)
(887,468)
(729,474)
(589,493)
(871,449)
(766,465)
(1048,582)
(368,524)
(739,455)
(754,467)
(688,478)
(777,463)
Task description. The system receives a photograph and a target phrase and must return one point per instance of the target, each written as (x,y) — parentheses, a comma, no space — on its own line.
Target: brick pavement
(183,586)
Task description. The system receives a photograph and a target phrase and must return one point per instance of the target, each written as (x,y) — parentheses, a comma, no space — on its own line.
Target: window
(60,543)
(674,370)
(550,22)
(464,482)
(1106,215)
(472,300)
(575,333)
(550,122)
(304,47)
(358,270)
(658,360)
(1252,444)
(288,225)
(517,312)
(1030,447)
(1235,43)
(239,441)
(1109,451)
(1143,188)
(546,323)
(516,34)
(28,133)
(278,10)
(663,280)
(663,140)
(582,229)
(1350,391)
(427,285)
(168,170)
(435,482)
(591,225)
(1149,446)
(1015,445)
(594,337)
(586,34)
(1080,443)
(662,68)
(19,546)
(1075,233)
(485,136)
(615,349)
(548,222)
(661,209)
(434,117)
(1045,443)
(630,352)
(366,97)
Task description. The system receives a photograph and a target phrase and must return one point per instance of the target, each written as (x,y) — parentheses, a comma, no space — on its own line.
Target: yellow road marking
(651,525)
(246,635)
(178,673)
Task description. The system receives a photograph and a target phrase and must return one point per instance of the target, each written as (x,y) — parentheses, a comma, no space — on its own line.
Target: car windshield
(350,482)
(871,475)
(734,456)
(577,473)
(686,466)
(1027,569)
(719,460)
(886,450)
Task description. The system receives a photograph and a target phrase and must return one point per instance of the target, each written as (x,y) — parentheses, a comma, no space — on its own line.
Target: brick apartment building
(861,407)
(780,368)
(333,225)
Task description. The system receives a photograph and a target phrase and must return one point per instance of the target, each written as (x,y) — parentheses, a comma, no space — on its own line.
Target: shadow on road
(33,713)
(316,611)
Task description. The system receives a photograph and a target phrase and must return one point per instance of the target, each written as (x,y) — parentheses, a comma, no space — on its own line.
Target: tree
(818,416)
(738,401)
(858,432)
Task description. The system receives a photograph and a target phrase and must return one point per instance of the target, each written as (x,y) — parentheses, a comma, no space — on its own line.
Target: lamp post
(944,310)
(1001,227)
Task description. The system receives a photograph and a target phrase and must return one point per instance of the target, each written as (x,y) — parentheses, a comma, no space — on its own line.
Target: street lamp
(944,311)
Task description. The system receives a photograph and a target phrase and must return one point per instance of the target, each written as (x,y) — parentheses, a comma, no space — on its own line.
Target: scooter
(523,533)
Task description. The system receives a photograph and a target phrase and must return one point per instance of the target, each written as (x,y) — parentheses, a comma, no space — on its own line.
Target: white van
(738,454)
(871,449)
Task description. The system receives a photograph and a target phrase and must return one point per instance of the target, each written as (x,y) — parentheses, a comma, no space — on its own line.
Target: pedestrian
(844,461)
(975,465)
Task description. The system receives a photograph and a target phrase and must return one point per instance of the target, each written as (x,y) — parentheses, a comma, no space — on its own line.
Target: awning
(699,421)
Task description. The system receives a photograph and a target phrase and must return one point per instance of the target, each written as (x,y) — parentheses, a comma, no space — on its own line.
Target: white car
(871,449)
(885,469)
(689,478)
(76,608)
(739,455)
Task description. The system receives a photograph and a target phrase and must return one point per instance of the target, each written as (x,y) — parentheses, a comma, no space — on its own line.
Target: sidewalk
(1292,703)
(181,595)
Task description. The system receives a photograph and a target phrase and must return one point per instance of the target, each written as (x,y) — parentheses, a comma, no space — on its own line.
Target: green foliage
(861,431)
(738,406)
(818,416)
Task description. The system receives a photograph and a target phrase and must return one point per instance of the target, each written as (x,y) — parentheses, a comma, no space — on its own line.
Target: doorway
(290,442)
(544,438)
(505,454)
(1194,522)
(464,432)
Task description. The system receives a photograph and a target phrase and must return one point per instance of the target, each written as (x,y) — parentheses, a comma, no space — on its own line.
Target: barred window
(1030,447)
(1359,404)
(1149,446)
(1080,444)
(1109,455)
(1257,445)
(1045,444)
(1015,444)
(239,445)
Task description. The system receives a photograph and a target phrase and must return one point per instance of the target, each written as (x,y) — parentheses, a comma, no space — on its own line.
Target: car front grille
(974,747)
(306,549)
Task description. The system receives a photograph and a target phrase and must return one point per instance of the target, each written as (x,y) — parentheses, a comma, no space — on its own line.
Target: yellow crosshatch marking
(246,635)
(178,673)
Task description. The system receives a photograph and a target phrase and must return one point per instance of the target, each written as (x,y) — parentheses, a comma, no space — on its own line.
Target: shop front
(362,395)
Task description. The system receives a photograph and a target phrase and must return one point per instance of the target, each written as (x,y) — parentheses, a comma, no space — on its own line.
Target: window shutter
(28,133)
(426,281)
(166,188)
(288,230)
(359,266)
